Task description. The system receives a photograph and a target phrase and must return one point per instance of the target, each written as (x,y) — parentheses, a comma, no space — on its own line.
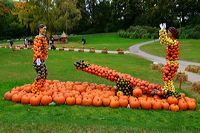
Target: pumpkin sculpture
(145,95)
(169,39)
(124,82)
(40,55)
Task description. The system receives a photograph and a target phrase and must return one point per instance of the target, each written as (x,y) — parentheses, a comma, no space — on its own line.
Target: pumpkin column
(40,55)
(169,39)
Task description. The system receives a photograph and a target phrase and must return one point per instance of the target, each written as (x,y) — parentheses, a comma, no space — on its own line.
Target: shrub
(192,32)
(139,32)
(194,35)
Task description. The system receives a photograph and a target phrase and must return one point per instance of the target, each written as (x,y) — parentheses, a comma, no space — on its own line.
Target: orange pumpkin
(70,100)
(174,107)
(59,99)
(124,97)
(35,100)
(165,105)
(123,102)
(146,104)
(106,101)
(47,92)
(97,101)
(134,103)
(87,101)
(191,105)
(172,100)
(182,104)
(114,97)
(137,92)
(27,89)
(8,95)
(16,97)
(78,100)
(156,105)
(25,99)
(46,100)
(114,103)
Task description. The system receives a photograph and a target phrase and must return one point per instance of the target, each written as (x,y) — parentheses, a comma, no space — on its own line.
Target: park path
(135,49)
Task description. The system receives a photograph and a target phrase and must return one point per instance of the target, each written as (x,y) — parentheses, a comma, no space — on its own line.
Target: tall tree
(59,15)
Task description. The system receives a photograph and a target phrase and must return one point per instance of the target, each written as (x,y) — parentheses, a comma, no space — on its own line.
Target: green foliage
(190,32)
(92,16)
(60,15)
(139,32)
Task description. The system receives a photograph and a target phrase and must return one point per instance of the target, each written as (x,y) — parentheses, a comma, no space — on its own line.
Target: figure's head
(172,32)
(42,29)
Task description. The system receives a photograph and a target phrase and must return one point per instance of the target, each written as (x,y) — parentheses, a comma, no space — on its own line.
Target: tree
(9,24)
(84,23)
(58,15)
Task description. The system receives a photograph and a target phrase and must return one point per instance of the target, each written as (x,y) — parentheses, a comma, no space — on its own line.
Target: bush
(194,35)
(190,32)
(139,32)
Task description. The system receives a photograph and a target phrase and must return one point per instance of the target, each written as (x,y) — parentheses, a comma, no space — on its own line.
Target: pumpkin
(16,97)
(123,102)
(46,100)
(114,97)
(97,101)
(124,97)
(78,100)
(146,104)
(8,95)
(106,101)
(114,103)
(25,99)
(174,107)
(59,99)
(137,92)
(70,100)
(191,105)
(165,105)
(172,100)
(56,94)
(134,103)
(87,101)
(28,88)
(47,92)
(35,100)
(156,105)
(182,104)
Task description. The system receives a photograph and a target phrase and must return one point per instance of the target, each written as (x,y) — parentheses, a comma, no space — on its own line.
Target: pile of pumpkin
(114,76)
(91,94)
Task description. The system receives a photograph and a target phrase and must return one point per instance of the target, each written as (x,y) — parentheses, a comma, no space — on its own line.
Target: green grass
(111,41)
(5,42)
(189,50)
(16,69)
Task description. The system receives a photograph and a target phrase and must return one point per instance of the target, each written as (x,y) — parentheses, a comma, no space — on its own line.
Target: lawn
(111,41)
(16,69)
(189,50)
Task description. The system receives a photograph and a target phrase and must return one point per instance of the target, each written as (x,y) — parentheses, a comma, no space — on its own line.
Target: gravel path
(135,49)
